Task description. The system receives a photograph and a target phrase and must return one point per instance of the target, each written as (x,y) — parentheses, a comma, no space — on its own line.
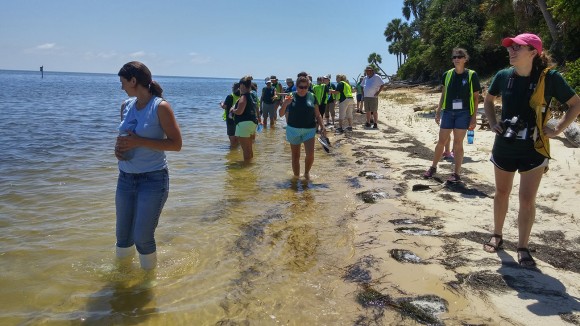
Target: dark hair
(246,81)
(143,76)
(461,51)
(301,74)
(302,79)
(541,62)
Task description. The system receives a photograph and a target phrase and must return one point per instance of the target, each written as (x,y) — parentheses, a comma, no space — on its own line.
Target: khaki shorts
(345,109)
(371,104)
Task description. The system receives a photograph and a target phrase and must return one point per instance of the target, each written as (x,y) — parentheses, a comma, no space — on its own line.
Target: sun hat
(524,39)
(288,79)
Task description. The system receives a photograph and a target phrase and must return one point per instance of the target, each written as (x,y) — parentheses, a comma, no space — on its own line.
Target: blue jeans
(139,200)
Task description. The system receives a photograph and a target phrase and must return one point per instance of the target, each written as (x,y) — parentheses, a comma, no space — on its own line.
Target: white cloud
(138,54)
(47,46)
(197,58)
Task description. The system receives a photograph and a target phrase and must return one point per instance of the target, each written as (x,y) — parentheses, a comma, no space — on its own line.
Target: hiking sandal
(525,260)
(494,247)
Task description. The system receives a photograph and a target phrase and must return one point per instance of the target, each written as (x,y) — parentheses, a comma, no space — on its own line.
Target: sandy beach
(438,229)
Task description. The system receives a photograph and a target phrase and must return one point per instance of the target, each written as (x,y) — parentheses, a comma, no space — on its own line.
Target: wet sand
(439,229)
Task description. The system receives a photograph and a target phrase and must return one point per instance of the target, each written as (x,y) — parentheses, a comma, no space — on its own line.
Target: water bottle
(124,129)
(470,135)
(260,127)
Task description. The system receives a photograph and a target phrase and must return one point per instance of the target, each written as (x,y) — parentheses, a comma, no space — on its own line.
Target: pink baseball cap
(524,39)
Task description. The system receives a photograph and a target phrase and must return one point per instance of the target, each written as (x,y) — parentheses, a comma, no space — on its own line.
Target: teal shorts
(245,129)
(297,136)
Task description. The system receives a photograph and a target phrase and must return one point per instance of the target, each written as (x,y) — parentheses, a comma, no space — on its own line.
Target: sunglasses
(517,47)
(302,87)
(458,57)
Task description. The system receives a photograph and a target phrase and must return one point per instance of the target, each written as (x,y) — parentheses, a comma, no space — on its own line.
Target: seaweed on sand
(371,298)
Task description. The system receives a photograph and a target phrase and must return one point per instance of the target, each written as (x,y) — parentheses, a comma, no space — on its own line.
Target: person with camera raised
(522,140)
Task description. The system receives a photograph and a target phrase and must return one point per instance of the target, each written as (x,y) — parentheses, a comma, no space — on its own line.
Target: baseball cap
(524,39)
(327,76)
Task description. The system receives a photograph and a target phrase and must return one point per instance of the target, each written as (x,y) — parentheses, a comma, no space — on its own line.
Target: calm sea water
(236,244)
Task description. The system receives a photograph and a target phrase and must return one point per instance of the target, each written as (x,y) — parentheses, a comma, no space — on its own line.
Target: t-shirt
(459,88)
(371,85)
(228,103)
(301,111)
(268,95)
(515,98)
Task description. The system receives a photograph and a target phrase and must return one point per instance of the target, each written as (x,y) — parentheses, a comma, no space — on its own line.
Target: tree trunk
(550,22)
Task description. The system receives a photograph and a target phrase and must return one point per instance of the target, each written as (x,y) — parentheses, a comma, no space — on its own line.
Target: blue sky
(210,38)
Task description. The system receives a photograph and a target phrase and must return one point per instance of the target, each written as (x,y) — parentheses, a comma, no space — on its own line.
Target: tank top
(250,110)
(301,111)
(144,159)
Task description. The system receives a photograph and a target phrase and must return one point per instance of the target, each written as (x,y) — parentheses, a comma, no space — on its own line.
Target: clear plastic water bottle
(470,136)
(124,129)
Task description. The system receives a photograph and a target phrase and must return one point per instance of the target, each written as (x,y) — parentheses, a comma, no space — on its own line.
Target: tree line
(422,39)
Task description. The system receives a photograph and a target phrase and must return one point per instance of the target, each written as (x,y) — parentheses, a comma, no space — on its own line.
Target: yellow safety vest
(347,90)
(448,75)
(235,100)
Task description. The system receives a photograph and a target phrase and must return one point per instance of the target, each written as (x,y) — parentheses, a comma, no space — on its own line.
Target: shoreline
(444,227)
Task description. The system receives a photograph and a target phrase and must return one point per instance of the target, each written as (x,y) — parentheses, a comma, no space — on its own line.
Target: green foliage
(567,14)
(572,75)
(423,46)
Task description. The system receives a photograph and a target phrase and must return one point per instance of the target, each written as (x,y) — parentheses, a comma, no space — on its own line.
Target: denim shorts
(139,199)
(297,136)
(455,119)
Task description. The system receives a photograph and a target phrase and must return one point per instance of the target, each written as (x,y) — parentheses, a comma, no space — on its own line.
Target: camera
(512,127)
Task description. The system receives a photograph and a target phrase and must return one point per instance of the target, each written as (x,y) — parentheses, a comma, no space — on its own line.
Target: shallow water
(236,243)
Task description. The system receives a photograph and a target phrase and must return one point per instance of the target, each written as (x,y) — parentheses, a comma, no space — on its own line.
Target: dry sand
(479,287)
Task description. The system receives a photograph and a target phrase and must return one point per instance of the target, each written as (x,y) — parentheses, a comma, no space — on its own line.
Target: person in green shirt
(521,144)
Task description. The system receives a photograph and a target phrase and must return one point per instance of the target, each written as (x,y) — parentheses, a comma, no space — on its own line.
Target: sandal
(454,178)
(494,247)
(525,260)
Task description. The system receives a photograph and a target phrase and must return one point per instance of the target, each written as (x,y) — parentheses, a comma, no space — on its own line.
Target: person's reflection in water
(123,300)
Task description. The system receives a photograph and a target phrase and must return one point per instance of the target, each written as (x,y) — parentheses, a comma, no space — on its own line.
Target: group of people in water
(303,104)
(148,128)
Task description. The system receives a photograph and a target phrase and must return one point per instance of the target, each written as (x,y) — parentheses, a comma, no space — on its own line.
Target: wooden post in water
(41,71)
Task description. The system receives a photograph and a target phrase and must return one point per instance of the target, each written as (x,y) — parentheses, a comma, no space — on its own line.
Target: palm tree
(374,60)
(393,34)
(415,7)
